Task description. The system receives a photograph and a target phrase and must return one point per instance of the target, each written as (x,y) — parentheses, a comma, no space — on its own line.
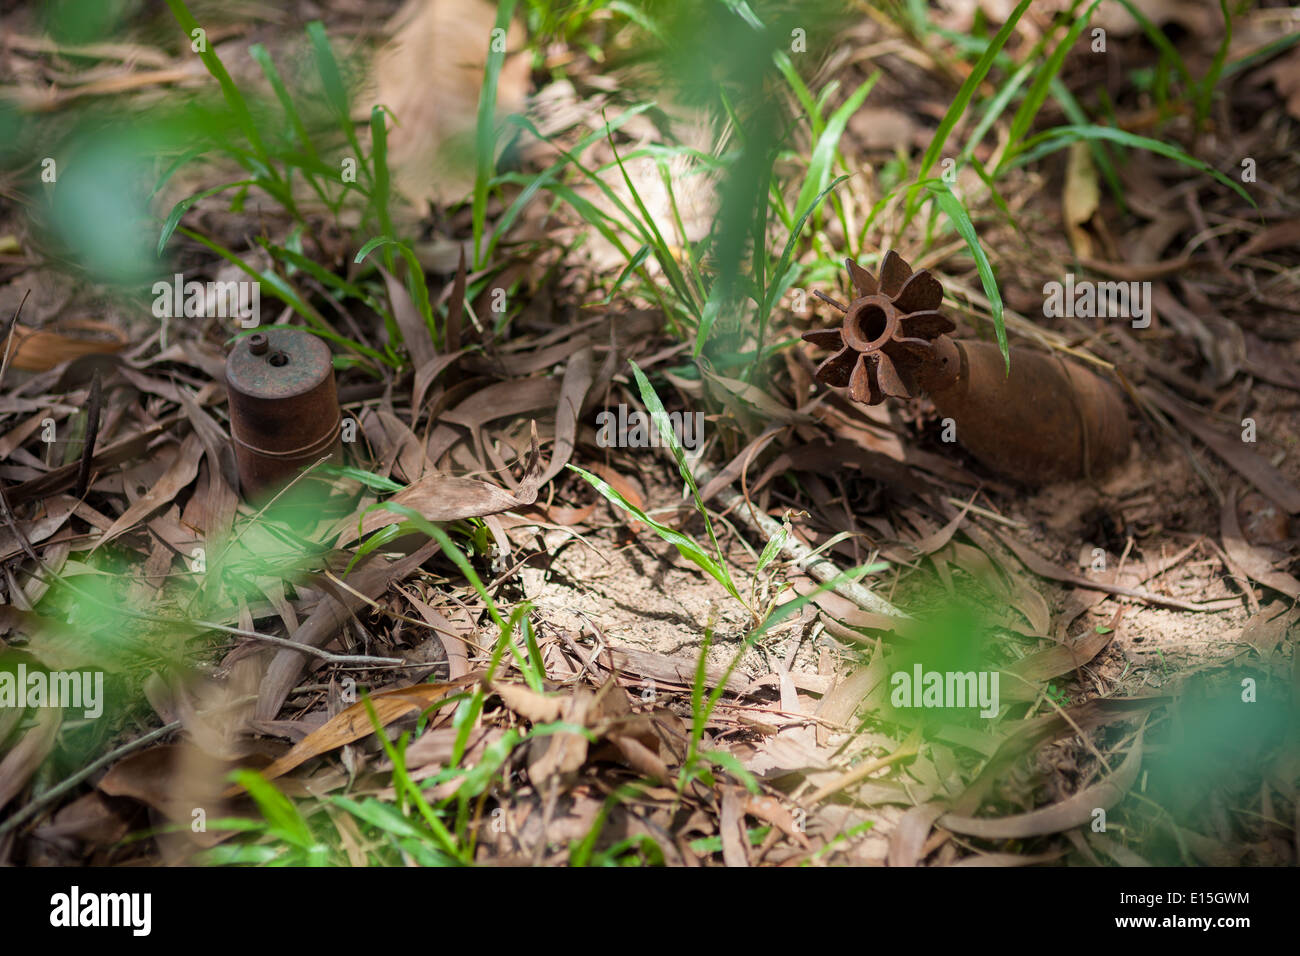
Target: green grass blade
(663,253)
(1049,141)
(968,87)
(234,98)
(1205,89)
(485,130)
(686,546)
(997,105)
(788,252)
(336,94)
(179,210)
(379,195)
(1038,91)
(823,155)
(956,213)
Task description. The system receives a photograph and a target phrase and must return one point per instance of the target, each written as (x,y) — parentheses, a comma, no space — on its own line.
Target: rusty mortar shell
(1051,419)
(284,411)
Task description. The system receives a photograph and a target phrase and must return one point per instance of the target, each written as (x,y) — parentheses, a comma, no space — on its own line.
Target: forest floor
(529,646)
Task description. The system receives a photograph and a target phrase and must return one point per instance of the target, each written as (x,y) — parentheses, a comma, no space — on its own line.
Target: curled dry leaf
(1069,813)
(1250,559)
(37,350)
(447,498)
(355,723)
(502,400)
(603,715)
(573,392)
(765,807)
(1080,197)
(1051,662)
(183,470)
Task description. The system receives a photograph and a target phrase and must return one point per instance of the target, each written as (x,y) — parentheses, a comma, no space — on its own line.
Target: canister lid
(278,362)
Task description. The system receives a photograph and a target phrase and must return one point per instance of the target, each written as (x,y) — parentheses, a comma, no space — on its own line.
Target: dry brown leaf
(905,751)
(449,635)
(1080,198)
(355,723)
(843,701)
(502,400)
(1029,602)
(63,477)
(370,579)
(53,517)
(528,703)
(415,334)
(446,498)
(765,807)
(176,780)
(1247,557)
(17,436)
(908,839)
(641,758)
(36,350)
(1267,628)
(1051,662)
(29,753)
(433,749)
(183,470)
(936,540)
(1070,812)
(430,145)
(1250,465)
(731,827)
(573,391)
(563,752)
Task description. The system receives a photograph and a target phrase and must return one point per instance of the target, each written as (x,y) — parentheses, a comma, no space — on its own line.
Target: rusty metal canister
(1050,420)
(284,410)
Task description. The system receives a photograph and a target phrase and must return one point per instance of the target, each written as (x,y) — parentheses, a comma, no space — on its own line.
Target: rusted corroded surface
(1050,419)
(284,411)
(888,335)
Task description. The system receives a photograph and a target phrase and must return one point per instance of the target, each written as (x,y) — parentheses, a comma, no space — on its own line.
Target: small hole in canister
(278,359)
